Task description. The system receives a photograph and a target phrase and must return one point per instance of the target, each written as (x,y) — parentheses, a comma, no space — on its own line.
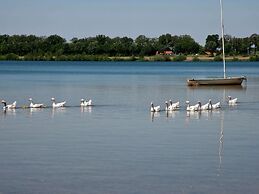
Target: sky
(85,18)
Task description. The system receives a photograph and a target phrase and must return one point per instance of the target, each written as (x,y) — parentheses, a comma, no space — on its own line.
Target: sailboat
(223,80)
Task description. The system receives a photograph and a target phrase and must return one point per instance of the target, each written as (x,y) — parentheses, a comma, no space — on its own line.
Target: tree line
(55,47)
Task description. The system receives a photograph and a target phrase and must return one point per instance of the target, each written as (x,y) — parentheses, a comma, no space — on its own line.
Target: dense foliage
(233,46)
(101,47)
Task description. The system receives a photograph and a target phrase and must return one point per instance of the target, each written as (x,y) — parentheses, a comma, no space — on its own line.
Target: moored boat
(223,80)
(216,81)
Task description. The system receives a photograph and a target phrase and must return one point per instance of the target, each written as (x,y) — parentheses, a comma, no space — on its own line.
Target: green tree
(185,44)
(165,41)
(53,44)
(212,43)
(254,42)
(145,46)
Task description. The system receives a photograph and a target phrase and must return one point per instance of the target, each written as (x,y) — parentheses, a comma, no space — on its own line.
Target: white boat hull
(216,81)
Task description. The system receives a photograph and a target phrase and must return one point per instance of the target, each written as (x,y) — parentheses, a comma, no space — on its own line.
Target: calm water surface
(117,146)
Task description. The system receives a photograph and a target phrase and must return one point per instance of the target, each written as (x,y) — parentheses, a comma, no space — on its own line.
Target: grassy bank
(177,58)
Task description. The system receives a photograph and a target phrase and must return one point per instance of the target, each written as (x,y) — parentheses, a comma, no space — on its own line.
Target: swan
(232,101)
(213,106)
(8,106)
(86,102)
(35,105)
(175,105)
(57,105)
(154,108)
(192,108)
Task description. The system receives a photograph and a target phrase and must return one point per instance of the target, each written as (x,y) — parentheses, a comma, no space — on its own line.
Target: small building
(168,53)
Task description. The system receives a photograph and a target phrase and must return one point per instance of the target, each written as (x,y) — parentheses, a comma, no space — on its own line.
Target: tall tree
(212,43)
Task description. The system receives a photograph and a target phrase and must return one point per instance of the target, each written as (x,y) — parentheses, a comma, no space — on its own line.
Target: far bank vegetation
(103,48)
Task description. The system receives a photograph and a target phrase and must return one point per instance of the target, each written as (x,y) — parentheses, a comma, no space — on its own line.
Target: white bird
(32,105)
(86,102)
(154,108)
(174,105)
(192,108)
(57,105)
(8,106)
(232,101)
(204,107)
(167,107)
(214,106)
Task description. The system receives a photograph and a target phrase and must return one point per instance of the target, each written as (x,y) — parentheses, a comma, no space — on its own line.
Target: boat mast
(222,37)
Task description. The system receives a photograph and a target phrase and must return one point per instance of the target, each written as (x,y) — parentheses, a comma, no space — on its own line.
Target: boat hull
(216,81)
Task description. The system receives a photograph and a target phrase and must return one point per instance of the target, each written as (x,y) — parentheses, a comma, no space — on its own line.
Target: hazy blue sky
(84,18)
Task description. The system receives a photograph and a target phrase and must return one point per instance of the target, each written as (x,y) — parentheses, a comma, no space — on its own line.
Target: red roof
(168,52)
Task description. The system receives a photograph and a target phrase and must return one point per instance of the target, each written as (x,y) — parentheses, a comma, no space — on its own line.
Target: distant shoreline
(166,47)
(161,58)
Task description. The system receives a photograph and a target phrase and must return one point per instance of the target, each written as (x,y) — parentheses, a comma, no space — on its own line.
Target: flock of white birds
(83,103)
(169,106)
(197,107)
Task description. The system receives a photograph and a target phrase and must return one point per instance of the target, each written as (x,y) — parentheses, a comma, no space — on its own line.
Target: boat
(218,80)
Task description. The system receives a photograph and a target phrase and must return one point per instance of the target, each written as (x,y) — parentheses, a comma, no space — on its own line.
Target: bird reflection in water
(86,109)
(11,112)
(154,115)
(55,111)
(171,114)
(34,110)
(192,115)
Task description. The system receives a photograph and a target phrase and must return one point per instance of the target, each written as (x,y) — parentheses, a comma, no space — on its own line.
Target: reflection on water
(154,115)
(205,114)
(58,111)
(190,115)
(221,141)
(35,110)
(11,112)
(219,87)
(172,114)
(86,109)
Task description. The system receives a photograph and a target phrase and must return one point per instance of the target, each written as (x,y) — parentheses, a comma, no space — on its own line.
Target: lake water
(117,146)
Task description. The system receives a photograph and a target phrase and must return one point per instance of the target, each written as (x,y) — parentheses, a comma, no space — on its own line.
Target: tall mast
(222,37)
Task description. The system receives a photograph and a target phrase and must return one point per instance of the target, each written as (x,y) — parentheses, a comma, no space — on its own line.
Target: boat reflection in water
(218,87)
(221,141)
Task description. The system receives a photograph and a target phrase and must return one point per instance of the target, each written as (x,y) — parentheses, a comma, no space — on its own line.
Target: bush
(61,58)
(161,58)
(195,59)
(179,58)
(11,57)
(217,58)
(254,58)
(118,59)
(141,58)
(133,58)
(2,57)
(31,57)
(235,59)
